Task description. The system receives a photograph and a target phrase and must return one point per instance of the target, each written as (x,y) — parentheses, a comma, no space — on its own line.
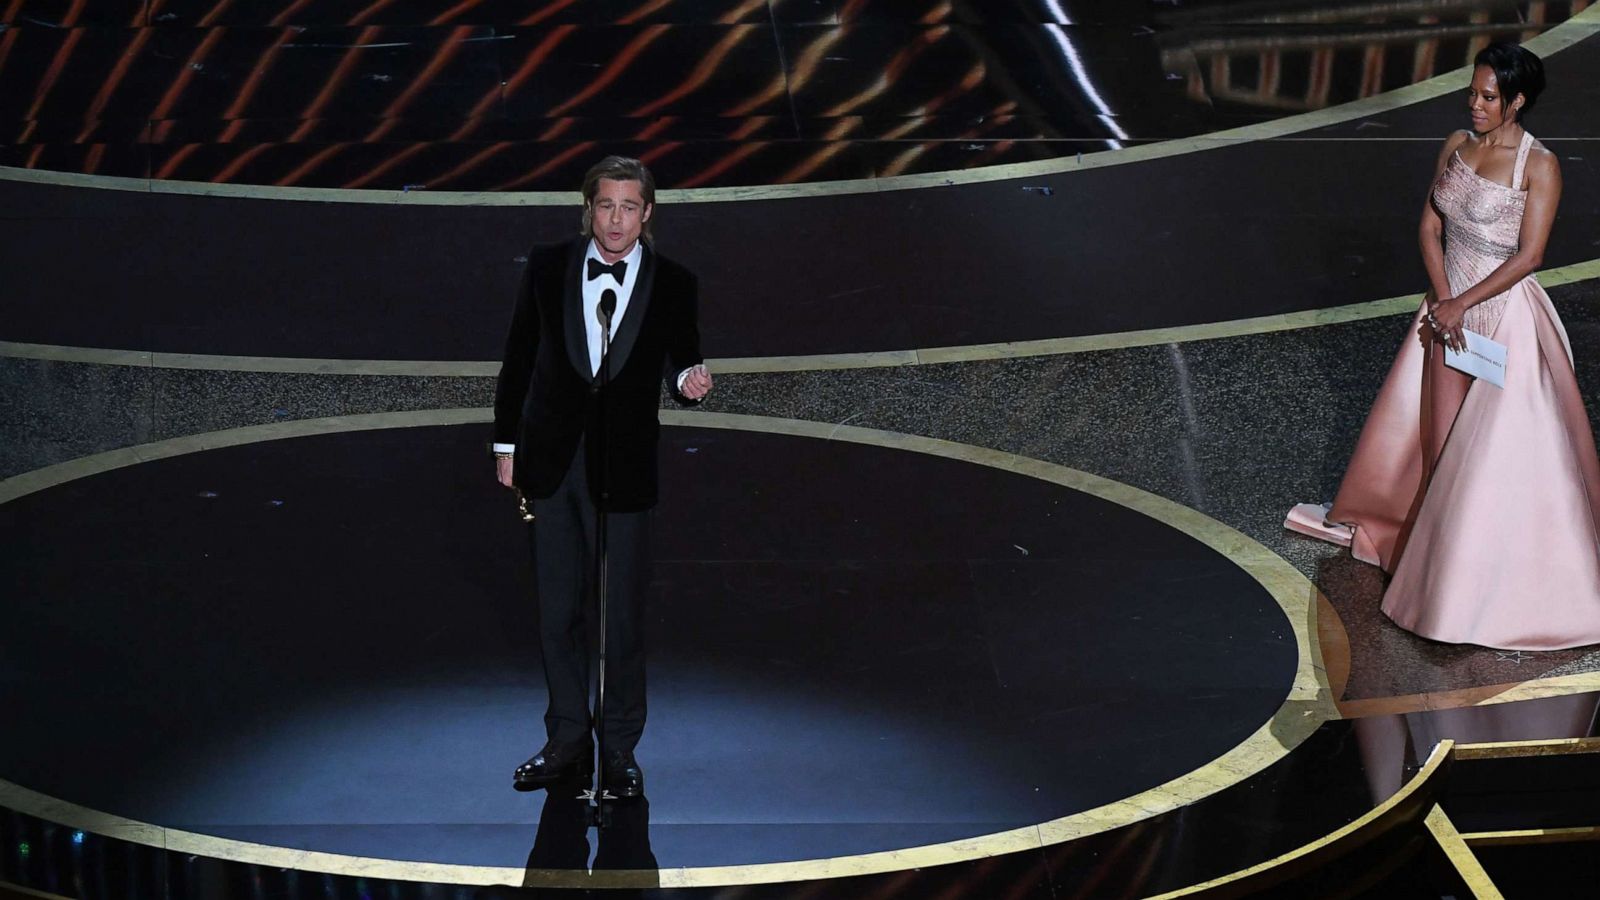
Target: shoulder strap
(1522,160)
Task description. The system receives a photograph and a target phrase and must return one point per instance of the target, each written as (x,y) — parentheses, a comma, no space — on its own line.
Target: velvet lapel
(572,309)
(633,317)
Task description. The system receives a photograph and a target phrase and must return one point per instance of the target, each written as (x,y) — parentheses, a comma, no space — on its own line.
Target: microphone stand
(598,814)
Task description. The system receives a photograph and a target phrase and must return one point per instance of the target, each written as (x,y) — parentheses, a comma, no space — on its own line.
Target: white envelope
(1484,358)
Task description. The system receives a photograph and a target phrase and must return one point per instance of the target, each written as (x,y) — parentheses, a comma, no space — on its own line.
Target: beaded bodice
(1482,223)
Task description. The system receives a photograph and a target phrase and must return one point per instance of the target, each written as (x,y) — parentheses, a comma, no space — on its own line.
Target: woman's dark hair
(1517,71)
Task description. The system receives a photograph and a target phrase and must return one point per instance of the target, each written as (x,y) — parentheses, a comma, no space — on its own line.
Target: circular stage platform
(327,643)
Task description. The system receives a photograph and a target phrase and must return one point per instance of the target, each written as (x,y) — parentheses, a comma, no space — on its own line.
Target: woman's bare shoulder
(1542,157)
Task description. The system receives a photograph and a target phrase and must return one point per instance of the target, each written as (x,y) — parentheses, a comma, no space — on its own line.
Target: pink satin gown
(1482,502)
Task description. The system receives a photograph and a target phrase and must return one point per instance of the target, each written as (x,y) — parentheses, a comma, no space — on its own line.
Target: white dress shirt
(594,287)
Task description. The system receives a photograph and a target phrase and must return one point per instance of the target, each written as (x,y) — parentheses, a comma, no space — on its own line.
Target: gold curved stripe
(1120,340)
(1478,695)
(1311,318)
(1430,769)
(1554,40)
(1306,707)
(1334,640)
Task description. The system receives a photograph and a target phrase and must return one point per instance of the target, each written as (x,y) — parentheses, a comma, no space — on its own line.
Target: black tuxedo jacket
(546,400)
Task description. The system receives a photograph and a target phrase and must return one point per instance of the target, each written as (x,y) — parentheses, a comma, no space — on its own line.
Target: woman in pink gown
(1482,502)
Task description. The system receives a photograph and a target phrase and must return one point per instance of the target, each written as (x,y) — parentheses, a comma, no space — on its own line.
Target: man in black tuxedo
(575,441)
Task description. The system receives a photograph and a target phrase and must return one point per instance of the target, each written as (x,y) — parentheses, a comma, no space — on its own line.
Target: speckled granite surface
(1239,428)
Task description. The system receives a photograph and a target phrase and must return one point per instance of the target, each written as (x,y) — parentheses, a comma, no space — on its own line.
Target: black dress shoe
(557,762)
(624,778)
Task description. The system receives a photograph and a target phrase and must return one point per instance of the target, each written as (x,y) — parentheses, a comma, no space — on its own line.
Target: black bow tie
(617,269)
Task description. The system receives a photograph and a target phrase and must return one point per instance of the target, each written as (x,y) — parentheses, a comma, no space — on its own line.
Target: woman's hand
(1446,318)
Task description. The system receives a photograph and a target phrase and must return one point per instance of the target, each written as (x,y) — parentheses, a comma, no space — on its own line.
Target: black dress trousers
(563,552)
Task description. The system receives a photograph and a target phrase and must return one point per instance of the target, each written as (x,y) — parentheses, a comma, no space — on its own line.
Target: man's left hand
(697,383)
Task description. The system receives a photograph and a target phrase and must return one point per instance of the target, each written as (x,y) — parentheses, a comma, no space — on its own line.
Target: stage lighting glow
(1069,52)
(77,837)
(1061,14)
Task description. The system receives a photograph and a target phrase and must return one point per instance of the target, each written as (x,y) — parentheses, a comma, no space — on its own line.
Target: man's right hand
(502,470)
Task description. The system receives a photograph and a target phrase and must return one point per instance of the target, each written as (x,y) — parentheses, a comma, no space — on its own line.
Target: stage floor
(854,648)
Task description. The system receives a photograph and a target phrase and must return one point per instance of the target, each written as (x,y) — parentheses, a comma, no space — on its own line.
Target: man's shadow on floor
(559,864)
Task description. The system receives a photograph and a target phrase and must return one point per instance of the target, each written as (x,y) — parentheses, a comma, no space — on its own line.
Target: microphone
(608,306)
